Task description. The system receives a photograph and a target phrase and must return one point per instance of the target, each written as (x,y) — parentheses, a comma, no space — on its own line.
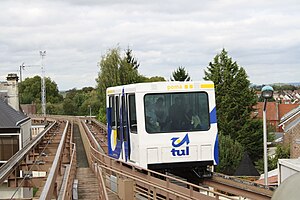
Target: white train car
(163,125)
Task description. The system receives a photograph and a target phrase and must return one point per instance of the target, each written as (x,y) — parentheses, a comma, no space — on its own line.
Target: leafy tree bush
(180,74)
(281,153)
(235,100)
(117,70)
(230,155)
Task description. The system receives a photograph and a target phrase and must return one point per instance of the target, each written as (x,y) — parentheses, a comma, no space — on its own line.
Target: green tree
(281,153)
(128,69)
(234,101)
(78,102)
(131,60)
(108,76)
(30,92)
(180,75)
(117,70)
(143,79)
(231,153)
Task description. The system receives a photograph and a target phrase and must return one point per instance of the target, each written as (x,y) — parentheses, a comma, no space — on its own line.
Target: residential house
(15,131)
(290,123)
(275,111)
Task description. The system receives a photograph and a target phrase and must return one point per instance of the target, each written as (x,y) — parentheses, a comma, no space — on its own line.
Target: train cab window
(176,112)
(132,113)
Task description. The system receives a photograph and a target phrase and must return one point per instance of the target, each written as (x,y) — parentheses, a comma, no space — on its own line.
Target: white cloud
(262,36)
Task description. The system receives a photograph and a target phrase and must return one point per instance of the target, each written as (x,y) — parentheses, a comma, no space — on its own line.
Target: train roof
(171,86)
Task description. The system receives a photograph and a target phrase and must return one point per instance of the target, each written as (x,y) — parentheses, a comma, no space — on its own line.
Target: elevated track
(169,187)
(53,153)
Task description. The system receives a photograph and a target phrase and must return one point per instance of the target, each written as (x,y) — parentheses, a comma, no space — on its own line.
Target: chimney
(13,91)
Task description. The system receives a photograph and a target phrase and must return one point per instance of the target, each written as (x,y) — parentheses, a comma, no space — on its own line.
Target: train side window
(124,118)
(118,117)
(113,108)
(132,113)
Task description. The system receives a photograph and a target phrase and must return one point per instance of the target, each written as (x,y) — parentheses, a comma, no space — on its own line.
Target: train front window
(176,112)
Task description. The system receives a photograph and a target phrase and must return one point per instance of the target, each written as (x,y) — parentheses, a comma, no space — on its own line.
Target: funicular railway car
(164,126)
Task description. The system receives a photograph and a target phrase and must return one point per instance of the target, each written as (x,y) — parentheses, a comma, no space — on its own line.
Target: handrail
(9,166)
(49,185)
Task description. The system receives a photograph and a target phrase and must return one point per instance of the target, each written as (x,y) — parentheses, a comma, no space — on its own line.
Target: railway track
(219,182)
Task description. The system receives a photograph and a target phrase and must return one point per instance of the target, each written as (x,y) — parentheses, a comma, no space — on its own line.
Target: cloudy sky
(263,36)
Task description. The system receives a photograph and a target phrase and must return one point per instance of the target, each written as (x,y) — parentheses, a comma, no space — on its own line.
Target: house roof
(275,111)
(290,114)
(271,110)
(9,117)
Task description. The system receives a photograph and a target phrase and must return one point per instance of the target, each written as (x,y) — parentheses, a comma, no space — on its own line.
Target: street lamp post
(266,93)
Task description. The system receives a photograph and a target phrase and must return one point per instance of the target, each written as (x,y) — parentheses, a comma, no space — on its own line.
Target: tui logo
(177,144)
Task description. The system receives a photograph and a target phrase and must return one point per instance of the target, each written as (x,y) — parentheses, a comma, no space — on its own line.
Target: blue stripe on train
(213,116)
(216,150)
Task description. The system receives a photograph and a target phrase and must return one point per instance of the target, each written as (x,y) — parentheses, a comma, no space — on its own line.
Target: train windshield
(176,112)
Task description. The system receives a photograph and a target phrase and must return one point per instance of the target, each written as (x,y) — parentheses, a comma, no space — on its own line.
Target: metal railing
(151,183)
(12,163)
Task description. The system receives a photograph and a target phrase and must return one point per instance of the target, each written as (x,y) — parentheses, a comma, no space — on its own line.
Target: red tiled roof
(271,111)
(285,108)
(274,110)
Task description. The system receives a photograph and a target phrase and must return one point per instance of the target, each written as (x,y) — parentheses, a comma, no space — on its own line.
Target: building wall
(294,141)
(28,109)
(26,134)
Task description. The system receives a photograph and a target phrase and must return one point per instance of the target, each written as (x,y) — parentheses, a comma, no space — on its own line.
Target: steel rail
(10,165)
(66,188)
(69,175)
(49,185)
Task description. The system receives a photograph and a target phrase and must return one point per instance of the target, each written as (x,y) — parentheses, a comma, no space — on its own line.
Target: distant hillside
(297,84)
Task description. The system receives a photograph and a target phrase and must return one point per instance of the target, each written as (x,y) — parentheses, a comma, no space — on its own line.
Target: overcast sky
(263,36)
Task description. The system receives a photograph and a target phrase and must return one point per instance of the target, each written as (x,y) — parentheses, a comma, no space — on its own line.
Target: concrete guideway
(97,175)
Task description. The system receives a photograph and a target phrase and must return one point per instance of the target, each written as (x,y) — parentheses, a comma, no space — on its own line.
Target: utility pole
(43,54)
(21,68)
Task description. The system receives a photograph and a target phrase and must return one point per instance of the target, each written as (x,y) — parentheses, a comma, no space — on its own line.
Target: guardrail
(49,185)
(146,182)
(91,137)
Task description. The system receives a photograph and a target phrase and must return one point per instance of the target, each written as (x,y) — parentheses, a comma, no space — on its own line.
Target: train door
(124,128)
(133,129)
